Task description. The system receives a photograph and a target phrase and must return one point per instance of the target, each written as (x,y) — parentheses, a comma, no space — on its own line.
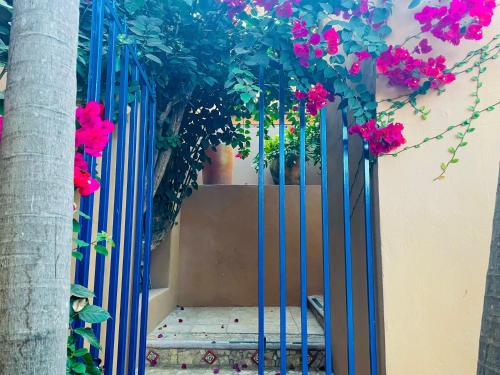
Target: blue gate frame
(132,328)
(136,247)
(327,266)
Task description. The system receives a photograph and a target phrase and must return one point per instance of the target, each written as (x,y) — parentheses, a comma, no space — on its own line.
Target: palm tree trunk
(36,187)
(489,345)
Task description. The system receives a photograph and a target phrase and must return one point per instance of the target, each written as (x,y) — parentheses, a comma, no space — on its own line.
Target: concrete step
(315,304)
(199,371)
(207,338)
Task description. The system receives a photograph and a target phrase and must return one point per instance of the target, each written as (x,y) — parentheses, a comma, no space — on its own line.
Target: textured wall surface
(435,236)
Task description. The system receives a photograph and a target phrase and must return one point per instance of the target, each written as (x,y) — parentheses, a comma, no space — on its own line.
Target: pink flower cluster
(82,178)
(462,19)
(317,98)
(380,140)
(93,133)
(93,136)
(356,66)
(310,47)
(402,69)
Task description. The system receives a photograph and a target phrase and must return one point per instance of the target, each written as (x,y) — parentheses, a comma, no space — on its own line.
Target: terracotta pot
(220,170)
(292,175)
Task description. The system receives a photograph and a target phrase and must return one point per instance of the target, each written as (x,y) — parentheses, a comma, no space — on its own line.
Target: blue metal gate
(125,333)
(365,165)
(124,338)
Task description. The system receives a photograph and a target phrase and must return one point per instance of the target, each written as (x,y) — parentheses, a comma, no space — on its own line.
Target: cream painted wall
(218,246)
(435,236)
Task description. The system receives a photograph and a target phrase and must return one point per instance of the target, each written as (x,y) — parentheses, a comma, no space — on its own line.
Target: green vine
(474,62)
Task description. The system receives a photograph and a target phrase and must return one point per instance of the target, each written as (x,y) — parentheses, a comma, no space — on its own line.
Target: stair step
(203,358)
(222,337)
(199,371)
(315,304)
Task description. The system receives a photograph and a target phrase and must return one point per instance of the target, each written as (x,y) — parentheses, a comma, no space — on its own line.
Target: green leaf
(79,243)
(84,215)
(80,291)
(78,367)
(76,226)
(88,335)
(101,250)
(414,4)
(93,314)
(80,352)
(154,58)
(77,255)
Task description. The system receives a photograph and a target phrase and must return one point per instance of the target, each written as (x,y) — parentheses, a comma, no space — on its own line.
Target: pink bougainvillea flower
(333,40)
(315,39)
(423,47)
(82,178)
(301,50)
(461,19)
(318,53)
(93,132)
(363,55)
(317,98)
(300,95)
(380,140)
(84,183)
(355,68)
(299,29)
(402,69)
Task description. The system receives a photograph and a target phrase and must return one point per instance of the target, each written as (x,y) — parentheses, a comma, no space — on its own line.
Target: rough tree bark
(36,187)
(175,112)
(489,345)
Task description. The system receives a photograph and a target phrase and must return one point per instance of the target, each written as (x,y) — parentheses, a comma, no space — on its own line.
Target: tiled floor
(230,325)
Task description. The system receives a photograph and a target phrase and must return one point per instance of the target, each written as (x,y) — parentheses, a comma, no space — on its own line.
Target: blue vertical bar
(303,241)
(117,211)
(347,248)
(102,225)
(326,245)
(139,219)
(262,113)
(370,265)
(95,58)
(282,224)
(147,242)
(129,221)
(94,79)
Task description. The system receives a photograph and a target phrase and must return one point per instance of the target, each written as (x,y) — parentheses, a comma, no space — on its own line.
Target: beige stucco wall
(218,246)
(435,236)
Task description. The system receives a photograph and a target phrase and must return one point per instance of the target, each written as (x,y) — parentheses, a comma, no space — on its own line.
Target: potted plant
(292,153)
(218,169)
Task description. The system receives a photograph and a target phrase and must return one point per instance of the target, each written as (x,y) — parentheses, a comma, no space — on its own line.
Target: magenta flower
(315,39)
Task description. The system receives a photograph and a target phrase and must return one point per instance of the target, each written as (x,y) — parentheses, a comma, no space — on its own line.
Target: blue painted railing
(131,256)
(326,241)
